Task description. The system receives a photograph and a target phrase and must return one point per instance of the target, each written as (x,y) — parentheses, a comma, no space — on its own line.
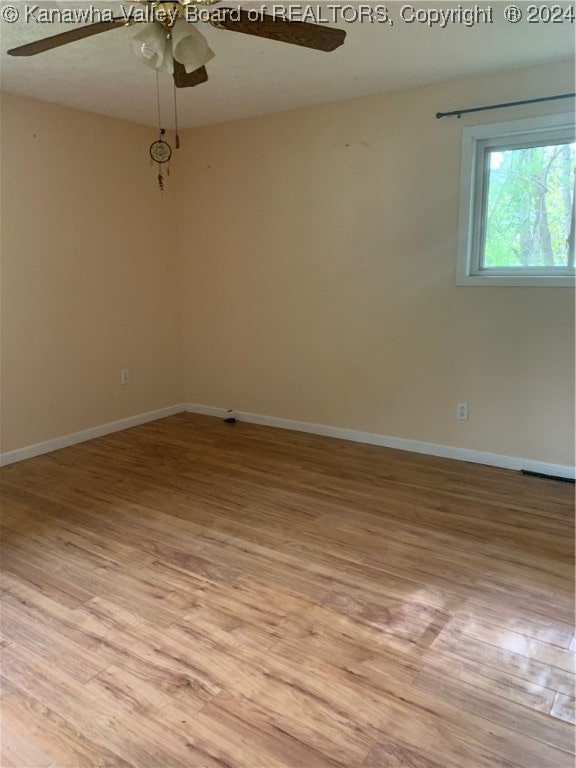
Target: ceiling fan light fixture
(189,46)
(152,47)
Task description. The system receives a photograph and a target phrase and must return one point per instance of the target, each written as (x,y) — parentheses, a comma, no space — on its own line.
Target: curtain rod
(460,112)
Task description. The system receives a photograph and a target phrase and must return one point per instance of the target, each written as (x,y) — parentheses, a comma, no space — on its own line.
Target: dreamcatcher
(160,153)
(160,150)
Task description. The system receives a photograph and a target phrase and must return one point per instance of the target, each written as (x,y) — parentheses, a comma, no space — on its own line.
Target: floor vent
(548,477)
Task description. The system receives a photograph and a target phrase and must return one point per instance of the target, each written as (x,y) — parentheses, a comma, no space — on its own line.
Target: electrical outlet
(125,376)
(462,411)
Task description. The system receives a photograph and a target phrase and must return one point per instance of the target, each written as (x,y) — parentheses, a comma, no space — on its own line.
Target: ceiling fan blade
(47,43)
(183,79)
(302,33)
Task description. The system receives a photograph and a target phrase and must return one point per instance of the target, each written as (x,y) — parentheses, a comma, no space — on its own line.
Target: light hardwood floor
(189,593)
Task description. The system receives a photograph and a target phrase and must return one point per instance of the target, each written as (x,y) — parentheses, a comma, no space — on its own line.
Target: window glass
(528,209)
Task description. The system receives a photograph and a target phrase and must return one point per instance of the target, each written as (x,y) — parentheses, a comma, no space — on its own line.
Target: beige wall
(319,254)
(308,274)
(90,281)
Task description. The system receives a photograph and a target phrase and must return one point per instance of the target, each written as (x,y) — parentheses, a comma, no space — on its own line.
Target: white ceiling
(251,76)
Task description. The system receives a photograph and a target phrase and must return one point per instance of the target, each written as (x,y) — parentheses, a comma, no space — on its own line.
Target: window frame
(473,187)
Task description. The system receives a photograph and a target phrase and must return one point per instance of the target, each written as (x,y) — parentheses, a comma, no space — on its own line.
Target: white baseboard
(372,438)
(400,443)
(10,457)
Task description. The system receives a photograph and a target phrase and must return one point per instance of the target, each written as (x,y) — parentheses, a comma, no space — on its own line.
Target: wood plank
(509,640)
(136,739)
(498,681)
(393,755)
(492,707)
(412,714)
(467,647)
(564,708)
(42,729)
(553,633)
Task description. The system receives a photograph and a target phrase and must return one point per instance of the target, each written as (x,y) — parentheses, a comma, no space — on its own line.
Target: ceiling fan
(172,44)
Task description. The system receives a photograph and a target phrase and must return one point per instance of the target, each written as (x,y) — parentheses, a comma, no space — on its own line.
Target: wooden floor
(189,593)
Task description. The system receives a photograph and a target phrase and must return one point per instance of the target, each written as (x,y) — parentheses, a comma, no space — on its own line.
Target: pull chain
(177,137)
(158,101)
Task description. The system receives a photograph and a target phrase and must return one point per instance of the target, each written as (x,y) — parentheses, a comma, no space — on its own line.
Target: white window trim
(470,189)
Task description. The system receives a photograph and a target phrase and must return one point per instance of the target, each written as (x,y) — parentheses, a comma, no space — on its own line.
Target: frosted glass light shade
(152,47)
(189,46)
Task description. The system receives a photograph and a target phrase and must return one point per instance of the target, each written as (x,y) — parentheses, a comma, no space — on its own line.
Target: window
(517,215)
